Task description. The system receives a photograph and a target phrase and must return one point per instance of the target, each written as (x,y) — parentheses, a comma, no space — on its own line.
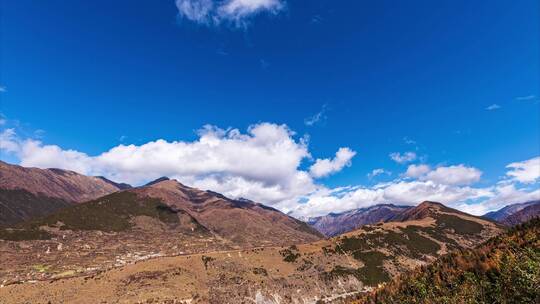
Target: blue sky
(455,82)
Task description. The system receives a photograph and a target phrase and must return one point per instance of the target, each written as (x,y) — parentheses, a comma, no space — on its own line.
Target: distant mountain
(501,214)
(26,193)
(504,269)
(337,223)
(523,215)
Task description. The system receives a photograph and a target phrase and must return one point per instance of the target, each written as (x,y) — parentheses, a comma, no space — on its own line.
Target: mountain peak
(421,211)
(157,181)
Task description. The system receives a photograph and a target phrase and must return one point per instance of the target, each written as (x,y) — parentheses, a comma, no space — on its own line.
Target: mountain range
(511,214)
(165,242)
(334,224)
(337,223)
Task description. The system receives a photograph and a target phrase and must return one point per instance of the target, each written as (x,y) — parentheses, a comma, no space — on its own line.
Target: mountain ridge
(334,224)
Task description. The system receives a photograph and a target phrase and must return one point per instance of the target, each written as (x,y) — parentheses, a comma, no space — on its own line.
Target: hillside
(162,219)
(57,183)
(506,269)
(305,273)
(27,193)
(20,205)
(337,223)
(242,222)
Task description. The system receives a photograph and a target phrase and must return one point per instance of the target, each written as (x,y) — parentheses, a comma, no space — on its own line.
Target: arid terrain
(206,268)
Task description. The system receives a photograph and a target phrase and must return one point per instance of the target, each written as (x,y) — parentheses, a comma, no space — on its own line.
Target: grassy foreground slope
(505,269)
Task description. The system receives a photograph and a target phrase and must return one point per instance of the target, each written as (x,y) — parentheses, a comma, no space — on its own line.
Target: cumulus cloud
(377,172)
(403,158)
(416,171)
(262,164)
(325,167)
(527,171)
(265,164)
(215,12)
(454,175)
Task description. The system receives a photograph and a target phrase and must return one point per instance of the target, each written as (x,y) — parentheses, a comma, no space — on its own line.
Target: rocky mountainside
(523,215)
(206,272)
(506,269)
(242,222)
(337,223)
(26,193)
(57,183)
(502,214)
(164,218)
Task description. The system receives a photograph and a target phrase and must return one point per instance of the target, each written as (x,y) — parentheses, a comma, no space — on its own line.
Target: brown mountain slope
(165,218)
(27,193)
(20,205)
(523,215)
(337,223)
(241,221)
(324,270)
(57,183)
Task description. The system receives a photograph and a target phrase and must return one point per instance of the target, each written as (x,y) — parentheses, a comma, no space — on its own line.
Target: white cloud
(502,195)
(493,107)
(211,12)
(316,118)
(377,172)
(526,98)
(409,141)
(416,171)
(8,141)
(527,171)
(3,89)
(264,164)
(325,167)
(403,158)
(453,175)
(396,192)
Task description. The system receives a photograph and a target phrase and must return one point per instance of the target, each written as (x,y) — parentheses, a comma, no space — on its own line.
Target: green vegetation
(373,272)
(206,260)
(459,225)
(306,264)
(41,268)
(110,213)
(410,239)
(290,254)
(505,269)
(260,271)
(21,205)
(419,244)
